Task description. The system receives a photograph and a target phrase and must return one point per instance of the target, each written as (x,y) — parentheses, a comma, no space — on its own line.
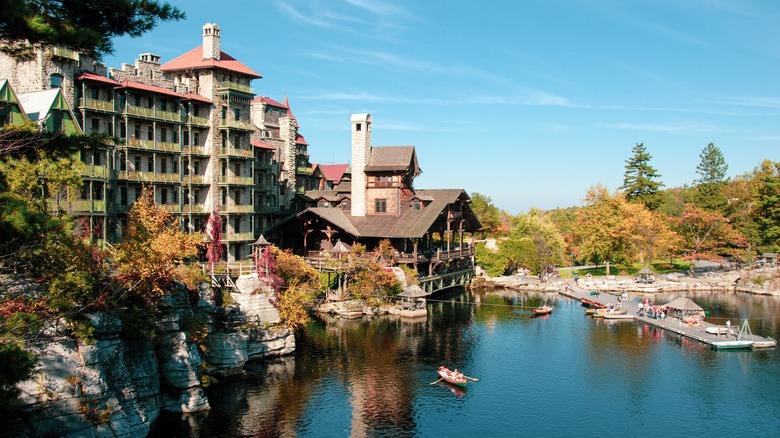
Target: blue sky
(528,102)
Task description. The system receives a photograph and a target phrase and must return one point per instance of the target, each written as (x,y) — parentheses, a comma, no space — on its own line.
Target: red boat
(452,377)
(544,310)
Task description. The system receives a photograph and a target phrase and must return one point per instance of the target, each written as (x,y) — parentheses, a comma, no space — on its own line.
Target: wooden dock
(724,338)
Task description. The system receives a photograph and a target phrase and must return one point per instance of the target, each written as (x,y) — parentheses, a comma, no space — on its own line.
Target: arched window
(55,80)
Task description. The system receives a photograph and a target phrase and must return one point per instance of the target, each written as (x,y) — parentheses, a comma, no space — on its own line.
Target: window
(137,131)
(122,130)
(163,134)
(150,133)
(380,206)
(137,163)
(150,164)
(196,139)
(56,80)
(237,114)
(196,167)
(175,164)
(163,165)
(358,127)
(163,196)
(196,196)
(224,113)
(123,195)
(149,102)
(163,104)
(417,205)
(94,92)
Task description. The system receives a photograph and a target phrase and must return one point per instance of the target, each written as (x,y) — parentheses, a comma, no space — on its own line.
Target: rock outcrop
(117,387)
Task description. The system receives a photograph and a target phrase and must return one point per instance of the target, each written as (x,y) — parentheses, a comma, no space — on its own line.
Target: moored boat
(623,315)
(731,345)
(452,377)
(601,313)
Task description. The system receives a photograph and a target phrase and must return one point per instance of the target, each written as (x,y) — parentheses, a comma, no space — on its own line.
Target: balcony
(167,177)
(304,170)
(194,179)
(234,86)
(235,208)
(241,125)
(194,150)
(62,52)
(97,104)
(197,120)
(151,145)
(152,113)
(237,180)
(237,237)
(170,116)
(78,206)
(195,208)
(237,152)
(139,111)
(94,171)
(170,208)
(135,175)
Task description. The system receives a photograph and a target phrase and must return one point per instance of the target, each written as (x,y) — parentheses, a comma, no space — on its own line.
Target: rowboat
(591,303)
(623,315)
(452,377)
(731,345)
(601,313)
(544,310)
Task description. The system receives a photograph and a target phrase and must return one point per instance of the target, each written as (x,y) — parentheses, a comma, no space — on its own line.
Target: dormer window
(323,203)
(416,205)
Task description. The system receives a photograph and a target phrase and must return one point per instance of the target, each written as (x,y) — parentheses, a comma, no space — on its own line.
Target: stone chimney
(361,151)
(211,41)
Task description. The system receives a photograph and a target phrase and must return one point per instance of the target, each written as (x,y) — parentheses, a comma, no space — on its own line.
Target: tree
(603,229)
(705,234)
(488,214)
(712,178)
(651,235)
(639,181)
(767,204)
(85,26)
(151,247)
(539,243)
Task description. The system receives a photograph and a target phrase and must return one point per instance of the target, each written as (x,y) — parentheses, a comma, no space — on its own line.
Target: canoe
(732,345)
(624,315)
(542,310)
(591,303)
(601,313)
(452,377)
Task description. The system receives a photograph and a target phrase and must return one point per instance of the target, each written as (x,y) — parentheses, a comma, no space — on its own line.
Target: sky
(528,102)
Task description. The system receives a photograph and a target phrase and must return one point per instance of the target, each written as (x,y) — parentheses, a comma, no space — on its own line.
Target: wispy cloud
(679,128)
(761,102)
(381,8)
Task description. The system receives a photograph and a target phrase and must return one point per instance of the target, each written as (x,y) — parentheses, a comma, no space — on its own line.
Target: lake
(563,374)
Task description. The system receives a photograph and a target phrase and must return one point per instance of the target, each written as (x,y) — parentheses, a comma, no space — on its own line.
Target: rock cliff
(117,387)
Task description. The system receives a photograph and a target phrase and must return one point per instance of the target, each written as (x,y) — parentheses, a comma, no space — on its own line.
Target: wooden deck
(698,333)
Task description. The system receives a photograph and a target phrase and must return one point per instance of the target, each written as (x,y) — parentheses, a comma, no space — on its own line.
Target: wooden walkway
(675,325)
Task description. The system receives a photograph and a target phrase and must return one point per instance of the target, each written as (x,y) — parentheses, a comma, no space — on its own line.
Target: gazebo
(686,310)
(646,275)
(412,299)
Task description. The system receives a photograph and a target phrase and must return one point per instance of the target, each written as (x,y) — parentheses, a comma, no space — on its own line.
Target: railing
(243,125)
(97,104)
(304,170)
(193,209)
(197,120)
(94,171)
(139,111)
(194,179)
(436,283)
(167,177)
(238,208)
(62,52)
(171,208)
(167,146)
(233,86)
(135,175)
(235,237)
(239,180)
(237,152)
(194,150)
(79,205)
(168,115)
(152,145)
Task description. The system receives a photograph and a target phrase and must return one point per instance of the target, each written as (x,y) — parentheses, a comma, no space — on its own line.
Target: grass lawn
(664,267)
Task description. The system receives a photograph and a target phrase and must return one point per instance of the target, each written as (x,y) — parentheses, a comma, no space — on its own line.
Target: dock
(732,337)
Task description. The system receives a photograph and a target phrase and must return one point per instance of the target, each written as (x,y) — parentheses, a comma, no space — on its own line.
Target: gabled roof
(10,99)
(410,223)
(39,105)
(262,145)
(300,140)
(393,159)
(268,101)
(149,88)
(86,76)
(333,172)
(193,60)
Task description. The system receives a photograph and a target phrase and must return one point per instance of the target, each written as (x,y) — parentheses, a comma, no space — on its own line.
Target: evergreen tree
(767,205)
(639,181)
(712,179)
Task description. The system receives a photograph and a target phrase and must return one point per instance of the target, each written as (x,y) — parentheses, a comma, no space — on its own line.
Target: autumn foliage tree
(151,248)
(705,234)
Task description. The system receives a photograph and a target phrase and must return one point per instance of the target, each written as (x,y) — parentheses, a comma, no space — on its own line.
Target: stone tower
(211,41)
(361,151)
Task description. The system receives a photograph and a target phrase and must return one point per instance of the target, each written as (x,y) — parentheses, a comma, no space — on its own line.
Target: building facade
(192,129)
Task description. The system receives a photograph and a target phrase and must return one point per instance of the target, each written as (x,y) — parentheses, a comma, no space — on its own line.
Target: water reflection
(369,377)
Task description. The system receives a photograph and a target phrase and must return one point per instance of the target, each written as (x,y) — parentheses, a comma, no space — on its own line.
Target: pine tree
(640,180)
(712,179)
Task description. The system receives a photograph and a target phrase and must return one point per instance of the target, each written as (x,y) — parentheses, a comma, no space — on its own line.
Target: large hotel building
(191,128)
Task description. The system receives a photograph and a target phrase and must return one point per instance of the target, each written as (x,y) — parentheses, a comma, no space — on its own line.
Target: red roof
(198,97)
(300,140)
(269,101)
(333,172)
(194,60)
(150,88)
(262,145)
(93,77)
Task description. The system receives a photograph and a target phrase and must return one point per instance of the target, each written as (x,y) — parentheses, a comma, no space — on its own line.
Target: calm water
(561,375)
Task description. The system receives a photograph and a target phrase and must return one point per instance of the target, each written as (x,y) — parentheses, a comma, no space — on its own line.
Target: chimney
(361,151)
(211,41)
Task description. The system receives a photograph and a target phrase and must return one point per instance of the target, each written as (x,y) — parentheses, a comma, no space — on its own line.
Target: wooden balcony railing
(236,237)
(194,150)
(197,120)
(194,179)
(233,86)
(238,180)
(237,152)
(97,104)
(95,171)
(243,125)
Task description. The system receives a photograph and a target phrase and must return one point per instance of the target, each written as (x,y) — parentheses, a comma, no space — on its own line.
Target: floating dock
(718,337)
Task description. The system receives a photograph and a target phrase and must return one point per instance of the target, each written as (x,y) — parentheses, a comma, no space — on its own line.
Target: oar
(472,378)
(433,383)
